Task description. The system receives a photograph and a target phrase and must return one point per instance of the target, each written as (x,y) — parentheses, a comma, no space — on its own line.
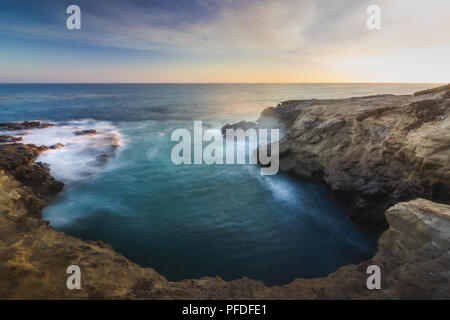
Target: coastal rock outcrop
(18,160)
(419,234)
(372,151)
(412,255)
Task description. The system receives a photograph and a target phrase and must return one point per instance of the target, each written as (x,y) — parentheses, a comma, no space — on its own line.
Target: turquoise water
(187,221)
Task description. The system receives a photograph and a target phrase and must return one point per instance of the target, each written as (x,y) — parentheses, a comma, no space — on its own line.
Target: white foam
(81,156)
(283,191)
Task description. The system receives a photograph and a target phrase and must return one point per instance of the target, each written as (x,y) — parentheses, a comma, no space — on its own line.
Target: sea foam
(75,156)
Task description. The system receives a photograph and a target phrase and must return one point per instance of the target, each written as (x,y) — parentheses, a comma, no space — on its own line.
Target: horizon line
(342,82)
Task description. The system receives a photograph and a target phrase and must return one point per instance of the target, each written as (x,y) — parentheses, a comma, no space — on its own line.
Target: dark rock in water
(37,149)
(103,158)
(24,125)
(56,146)
(8,139)
(85,132)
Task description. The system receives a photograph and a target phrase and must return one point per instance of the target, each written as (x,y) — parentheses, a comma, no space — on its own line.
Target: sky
(206,41)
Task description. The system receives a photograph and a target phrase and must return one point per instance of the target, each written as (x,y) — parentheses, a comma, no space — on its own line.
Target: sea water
(186,221)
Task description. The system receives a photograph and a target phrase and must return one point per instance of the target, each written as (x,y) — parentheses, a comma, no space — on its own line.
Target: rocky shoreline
(373,152)
(382,153)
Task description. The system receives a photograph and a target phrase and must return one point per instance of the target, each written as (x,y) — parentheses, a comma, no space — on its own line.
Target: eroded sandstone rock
(373,151)
(18,160)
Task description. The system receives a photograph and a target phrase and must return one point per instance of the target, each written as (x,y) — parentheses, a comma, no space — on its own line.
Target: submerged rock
(56,146)
(103,158)
(85,132)
(24,125)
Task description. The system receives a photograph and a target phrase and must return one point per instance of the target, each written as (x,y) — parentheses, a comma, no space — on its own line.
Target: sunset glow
(225,41)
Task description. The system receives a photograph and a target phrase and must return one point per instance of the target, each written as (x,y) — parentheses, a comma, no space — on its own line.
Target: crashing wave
(75,149)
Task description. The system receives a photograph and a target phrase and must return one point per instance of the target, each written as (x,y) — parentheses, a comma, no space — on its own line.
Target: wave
(78,149)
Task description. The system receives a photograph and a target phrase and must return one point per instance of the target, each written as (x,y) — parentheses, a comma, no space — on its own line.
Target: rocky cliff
(372,151)
(395,142)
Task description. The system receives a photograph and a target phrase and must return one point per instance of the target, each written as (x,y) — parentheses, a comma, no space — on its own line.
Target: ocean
(186,221)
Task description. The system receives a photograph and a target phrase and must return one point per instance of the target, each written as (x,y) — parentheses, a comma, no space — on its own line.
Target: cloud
(301,33)
(265,26)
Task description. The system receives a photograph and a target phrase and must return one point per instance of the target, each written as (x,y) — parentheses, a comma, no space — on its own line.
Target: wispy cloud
(326,34)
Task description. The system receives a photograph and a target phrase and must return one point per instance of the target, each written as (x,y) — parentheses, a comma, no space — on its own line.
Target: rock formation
(376,151)
(24,125)
(372,151)
(85,132)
